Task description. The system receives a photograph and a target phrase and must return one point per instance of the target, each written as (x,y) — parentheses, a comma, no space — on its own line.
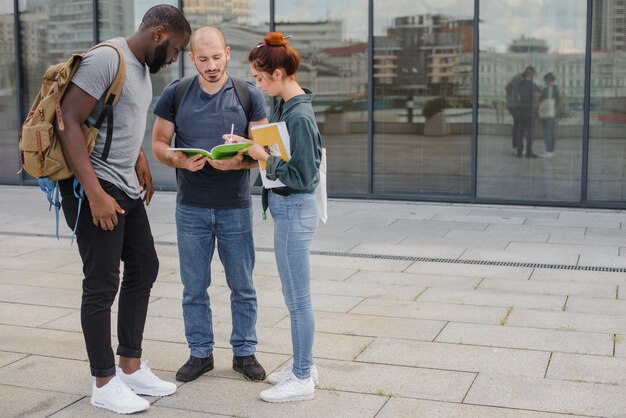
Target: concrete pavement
(422,310)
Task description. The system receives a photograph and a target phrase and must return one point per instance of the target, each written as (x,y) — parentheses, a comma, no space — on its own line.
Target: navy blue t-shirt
(200,121)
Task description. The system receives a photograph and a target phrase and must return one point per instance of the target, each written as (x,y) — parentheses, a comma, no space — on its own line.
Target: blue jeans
(295,221)
(198,230)
(549,133)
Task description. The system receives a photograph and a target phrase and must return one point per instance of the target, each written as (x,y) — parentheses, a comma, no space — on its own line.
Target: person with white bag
(547,113)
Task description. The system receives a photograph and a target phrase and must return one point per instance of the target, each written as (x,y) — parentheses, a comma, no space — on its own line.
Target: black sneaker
(194,367)
(249,367)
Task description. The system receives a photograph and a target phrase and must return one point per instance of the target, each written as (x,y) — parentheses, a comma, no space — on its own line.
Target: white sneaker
(285,373)
(144,382)
(292,389)
(117,397)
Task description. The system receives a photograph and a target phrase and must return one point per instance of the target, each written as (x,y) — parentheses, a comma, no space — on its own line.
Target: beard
(160,58)
(216,76)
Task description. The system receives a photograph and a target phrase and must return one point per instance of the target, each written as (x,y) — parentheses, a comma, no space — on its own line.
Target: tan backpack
(40,148)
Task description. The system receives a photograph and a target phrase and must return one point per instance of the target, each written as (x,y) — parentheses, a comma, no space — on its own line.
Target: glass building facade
(411,97)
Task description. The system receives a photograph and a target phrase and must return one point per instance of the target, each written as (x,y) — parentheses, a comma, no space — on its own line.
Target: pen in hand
(232,129)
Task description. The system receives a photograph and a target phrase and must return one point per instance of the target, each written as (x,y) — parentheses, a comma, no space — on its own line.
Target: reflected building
(425,55)
(609,25)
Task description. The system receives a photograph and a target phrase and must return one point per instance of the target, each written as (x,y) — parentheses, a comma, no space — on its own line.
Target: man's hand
(194,163)
(144,176)
(104,210)
(238,162)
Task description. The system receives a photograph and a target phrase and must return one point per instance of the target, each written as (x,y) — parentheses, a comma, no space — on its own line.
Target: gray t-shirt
(94,75)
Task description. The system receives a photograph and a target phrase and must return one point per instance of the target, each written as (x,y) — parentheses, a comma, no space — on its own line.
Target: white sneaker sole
(292,399)
(110,407)
(151,392)
(270,379)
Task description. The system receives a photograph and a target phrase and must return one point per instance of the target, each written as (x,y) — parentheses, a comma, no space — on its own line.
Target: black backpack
(241,91)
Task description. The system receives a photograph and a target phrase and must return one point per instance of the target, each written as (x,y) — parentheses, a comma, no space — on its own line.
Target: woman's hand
(236,139)
(257,152)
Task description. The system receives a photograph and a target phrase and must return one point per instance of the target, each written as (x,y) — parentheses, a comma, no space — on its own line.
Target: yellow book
(275,137)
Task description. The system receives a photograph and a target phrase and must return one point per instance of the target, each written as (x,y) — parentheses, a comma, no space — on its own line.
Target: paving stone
(453,239)
(470,270)
(56,279)
(325,345)
(408,279)
(8,358)
(62,298)
(584,368)
(411,408)
(550,288)
(348,262)
(567,258)
(596,305)
(458,357)
(32,403)
(430,310)
(30,315)
(579,276)
(83,408)
(500,235)
(396,381)
(493,298)
(53,343)
(366,290)
(50,374)
(568,321)
(374,326)
(602,260)
(527,338)
(442,250)
(232,397)
(321,302)
(558,249)
(549,395)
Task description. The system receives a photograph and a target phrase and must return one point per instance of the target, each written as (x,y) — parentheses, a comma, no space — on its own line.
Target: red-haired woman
(273,64)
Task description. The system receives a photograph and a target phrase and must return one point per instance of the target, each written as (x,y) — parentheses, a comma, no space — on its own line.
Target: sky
(559,22)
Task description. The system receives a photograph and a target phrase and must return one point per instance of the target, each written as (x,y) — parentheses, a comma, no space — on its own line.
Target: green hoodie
(301,173)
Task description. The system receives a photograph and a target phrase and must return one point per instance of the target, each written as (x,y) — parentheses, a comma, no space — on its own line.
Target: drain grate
(461,261)
(404,257)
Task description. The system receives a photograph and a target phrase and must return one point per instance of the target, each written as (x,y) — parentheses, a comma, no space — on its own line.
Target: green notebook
(219,152)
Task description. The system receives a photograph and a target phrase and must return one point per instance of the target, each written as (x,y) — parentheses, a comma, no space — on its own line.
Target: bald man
(213,202)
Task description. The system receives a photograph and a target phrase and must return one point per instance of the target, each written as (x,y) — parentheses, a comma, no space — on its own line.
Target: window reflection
(9,163)
(607,142)
(331,39)
(422,97)
(523,152)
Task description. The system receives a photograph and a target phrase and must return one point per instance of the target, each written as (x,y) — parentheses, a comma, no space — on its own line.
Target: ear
(159,33)
(278,74)
(227,53)
(191,57)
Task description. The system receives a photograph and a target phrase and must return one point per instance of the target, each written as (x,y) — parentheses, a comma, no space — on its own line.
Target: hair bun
(276,39)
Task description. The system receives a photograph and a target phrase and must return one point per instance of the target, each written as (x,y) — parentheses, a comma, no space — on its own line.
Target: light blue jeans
(295,221)
(198,230)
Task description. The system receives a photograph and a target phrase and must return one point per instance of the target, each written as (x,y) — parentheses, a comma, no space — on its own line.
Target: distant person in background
(510,87)
(549,102)
(524,95)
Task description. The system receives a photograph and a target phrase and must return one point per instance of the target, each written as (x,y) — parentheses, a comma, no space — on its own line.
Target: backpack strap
(241,91)
(180,91)
(111,97)
(243,94)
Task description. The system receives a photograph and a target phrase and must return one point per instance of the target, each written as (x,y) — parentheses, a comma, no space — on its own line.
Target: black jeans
(523,124)
(101,251)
